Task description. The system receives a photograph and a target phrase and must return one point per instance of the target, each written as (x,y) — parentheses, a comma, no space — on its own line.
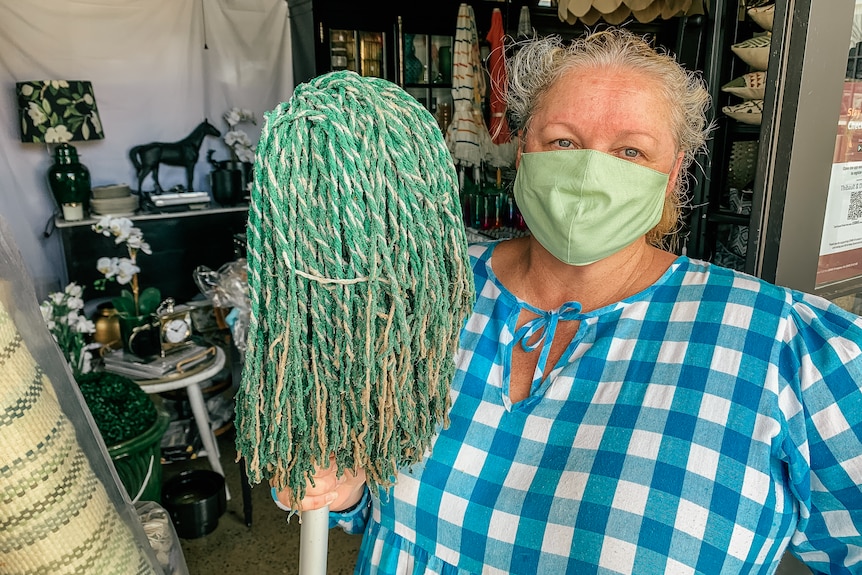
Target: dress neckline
(568,308)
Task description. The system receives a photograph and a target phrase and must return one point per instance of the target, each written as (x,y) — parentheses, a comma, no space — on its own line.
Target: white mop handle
(313,541)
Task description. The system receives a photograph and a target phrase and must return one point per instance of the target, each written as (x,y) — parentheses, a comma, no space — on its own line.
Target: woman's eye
(564,143)
(631,153)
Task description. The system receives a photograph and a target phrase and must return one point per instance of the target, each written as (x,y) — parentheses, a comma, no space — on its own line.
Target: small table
(192,384)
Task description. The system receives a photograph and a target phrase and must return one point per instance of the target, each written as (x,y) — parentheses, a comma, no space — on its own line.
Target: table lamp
(59,112)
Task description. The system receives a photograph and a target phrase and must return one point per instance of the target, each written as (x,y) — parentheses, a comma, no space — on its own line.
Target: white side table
(192,385)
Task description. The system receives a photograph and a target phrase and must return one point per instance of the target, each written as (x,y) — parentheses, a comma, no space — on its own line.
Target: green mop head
(359,284)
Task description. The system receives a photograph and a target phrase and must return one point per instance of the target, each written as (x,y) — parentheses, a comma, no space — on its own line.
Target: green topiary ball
(120,408)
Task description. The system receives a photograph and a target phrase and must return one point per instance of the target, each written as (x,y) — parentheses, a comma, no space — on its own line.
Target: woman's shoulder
(714,282)
(803,314)
(480,250)
(480,254)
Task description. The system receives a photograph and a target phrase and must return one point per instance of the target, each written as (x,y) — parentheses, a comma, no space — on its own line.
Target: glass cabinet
(361,52)
(426,68)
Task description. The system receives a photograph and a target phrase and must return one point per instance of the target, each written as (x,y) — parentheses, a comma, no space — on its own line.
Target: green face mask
(584,205)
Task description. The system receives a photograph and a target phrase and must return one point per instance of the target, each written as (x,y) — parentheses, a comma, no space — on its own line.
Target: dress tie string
(540,331)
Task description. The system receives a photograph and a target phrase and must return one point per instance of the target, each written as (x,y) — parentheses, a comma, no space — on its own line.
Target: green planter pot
(139,456)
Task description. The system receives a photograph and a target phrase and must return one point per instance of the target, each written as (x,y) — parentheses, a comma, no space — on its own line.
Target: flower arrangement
(62,313)
(124,270)
(237,140)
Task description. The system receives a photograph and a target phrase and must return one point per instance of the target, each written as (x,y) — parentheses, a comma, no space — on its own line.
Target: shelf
(441,85)
(739,128)
(722,217)
(143,216)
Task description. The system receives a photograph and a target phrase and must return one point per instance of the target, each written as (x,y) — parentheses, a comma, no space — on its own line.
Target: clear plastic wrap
(70,512)
(228,288)
(162,536)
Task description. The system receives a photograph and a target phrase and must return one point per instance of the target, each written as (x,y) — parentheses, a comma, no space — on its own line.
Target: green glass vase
(70,182)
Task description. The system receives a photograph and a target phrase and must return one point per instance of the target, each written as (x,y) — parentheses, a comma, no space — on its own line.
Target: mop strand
(359,284)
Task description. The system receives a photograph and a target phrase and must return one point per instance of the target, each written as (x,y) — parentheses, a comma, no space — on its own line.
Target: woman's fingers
(325,488)
(311,502)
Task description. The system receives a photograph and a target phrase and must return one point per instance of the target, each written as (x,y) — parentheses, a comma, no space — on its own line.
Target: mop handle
(313,541)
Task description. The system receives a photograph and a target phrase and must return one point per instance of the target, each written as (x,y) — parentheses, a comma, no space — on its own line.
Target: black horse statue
(147,157)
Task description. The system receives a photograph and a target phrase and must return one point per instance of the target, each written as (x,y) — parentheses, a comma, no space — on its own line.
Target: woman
(616,408)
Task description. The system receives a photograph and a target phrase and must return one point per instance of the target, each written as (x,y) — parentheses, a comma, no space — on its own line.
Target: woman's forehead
(605,89)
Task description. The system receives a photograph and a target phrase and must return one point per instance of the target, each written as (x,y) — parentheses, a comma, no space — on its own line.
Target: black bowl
(195,500)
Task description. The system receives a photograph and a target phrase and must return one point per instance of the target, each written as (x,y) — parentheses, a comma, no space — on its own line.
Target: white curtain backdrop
(158,68)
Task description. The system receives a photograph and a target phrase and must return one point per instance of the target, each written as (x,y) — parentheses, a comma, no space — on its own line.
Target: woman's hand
(339,493)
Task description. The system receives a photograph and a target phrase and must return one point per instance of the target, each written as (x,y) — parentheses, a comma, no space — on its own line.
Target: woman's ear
(519,147)
(674,173)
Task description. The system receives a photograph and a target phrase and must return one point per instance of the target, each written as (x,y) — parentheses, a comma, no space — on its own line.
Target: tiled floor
(270,546)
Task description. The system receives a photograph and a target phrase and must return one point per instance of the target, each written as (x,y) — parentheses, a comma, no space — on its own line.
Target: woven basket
(55,514)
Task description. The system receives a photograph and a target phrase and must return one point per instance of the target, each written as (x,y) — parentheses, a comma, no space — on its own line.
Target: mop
(359,283)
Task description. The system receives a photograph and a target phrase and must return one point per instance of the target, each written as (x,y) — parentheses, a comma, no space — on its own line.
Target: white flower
(75,303)
(126,269)
(237,115)
(26,89)
(103,226)
(58,134)
(47,310)
(74,290)
(68,326)
(122,228)
(237,140)
(86,361)
(245,155)
(84,325)
(59,84)
(122,270)
(36,114)
(107,266)
(233,117)
(136,241)
(235,137)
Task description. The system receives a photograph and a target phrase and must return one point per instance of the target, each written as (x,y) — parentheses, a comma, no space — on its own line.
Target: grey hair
(539,63)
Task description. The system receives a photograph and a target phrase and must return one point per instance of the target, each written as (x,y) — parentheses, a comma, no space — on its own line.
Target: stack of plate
(116,200)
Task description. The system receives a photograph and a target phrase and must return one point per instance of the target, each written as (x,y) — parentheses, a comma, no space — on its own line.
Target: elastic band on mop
(278,503)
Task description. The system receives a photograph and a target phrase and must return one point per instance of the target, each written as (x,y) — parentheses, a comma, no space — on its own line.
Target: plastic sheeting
(33,528)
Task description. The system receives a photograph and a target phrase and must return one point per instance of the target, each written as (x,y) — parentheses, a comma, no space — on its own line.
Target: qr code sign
(854,209)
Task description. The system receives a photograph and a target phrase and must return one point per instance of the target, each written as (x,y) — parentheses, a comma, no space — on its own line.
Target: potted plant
(128,419)
(132,426)
(232,178)
(135,307)
(62,312)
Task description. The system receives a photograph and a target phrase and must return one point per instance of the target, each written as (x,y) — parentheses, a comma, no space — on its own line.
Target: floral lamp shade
(57,111)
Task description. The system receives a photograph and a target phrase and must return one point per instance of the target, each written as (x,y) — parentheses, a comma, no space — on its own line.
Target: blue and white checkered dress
(697,427)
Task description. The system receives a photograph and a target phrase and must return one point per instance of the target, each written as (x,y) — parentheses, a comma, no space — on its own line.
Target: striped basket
(55,514)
